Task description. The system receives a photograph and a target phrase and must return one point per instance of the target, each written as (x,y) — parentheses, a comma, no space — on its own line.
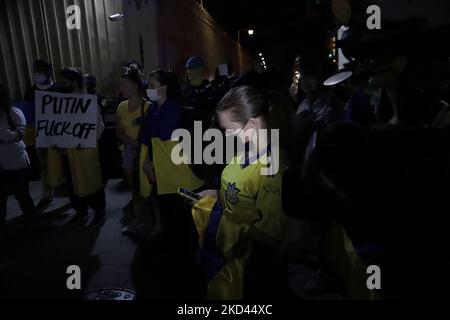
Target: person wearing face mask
(129,120)
(81,166)
(42,81)
(247,223)
(160,178)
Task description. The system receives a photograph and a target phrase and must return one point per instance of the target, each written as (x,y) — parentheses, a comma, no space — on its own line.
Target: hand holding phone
(189,195)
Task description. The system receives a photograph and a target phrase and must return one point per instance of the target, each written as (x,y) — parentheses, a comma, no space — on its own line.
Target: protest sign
(65,120)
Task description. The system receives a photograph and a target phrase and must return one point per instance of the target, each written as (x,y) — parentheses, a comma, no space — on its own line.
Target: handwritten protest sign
(65,120)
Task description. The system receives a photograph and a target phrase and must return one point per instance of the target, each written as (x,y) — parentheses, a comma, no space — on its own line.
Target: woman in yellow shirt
(248,215)
(129,116)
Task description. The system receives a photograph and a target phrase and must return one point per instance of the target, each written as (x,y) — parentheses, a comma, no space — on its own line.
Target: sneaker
(98,218)
(78,217)
(43,204)
(134,228)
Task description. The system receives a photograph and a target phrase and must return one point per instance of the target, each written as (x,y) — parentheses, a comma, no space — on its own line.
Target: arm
(149,170)
(8,135)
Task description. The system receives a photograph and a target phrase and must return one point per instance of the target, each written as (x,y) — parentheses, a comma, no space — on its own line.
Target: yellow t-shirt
(128,119)
(251,199)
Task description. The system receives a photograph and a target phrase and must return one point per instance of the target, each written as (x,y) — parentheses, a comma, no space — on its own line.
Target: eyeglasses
(237,131)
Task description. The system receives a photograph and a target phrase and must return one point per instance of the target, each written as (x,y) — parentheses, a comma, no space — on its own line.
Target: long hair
(171,81)
(245,102)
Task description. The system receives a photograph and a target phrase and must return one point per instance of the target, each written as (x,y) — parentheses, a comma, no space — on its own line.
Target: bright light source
(330,55)
(251,32)
(260,54)
(263,59)
(116,17)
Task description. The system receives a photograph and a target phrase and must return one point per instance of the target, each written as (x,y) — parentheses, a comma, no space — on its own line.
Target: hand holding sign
(66,120)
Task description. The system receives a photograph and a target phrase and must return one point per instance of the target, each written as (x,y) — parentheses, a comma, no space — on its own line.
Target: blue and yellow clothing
(84,167)
(252,211)
(161,121)
(53,174)
(85,171)
(159,124)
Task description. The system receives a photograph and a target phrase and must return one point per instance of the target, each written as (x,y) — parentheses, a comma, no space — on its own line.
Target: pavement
(34,260)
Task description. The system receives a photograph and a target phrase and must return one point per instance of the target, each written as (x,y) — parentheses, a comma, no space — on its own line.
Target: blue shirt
(161,122)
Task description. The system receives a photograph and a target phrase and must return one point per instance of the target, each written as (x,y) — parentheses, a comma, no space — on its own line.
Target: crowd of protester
(310,229)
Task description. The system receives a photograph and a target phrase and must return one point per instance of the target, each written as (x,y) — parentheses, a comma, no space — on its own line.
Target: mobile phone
(188,194)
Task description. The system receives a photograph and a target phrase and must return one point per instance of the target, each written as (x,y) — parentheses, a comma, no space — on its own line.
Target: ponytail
(245,102)
(134,75)
(281,115)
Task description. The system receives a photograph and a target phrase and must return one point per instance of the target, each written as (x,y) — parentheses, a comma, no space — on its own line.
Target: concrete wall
(185,29)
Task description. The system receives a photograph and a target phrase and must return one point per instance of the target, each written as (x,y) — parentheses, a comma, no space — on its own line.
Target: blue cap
(195,63)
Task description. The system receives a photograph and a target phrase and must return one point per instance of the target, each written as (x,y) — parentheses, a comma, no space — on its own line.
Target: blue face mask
(153,95)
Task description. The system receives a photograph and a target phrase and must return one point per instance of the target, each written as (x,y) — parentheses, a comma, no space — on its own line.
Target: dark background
(282,28)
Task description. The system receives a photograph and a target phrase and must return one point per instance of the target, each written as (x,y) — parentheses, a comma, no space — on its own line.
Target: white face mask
(153,95)
(39,78)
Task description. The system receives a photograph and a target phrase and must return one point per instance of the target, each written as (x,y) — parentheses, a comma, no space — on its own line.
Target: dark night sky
(281,27)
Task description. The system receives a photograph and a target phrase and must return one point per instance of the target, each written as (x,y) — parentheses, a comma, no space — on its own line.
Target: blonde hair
(245,102)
